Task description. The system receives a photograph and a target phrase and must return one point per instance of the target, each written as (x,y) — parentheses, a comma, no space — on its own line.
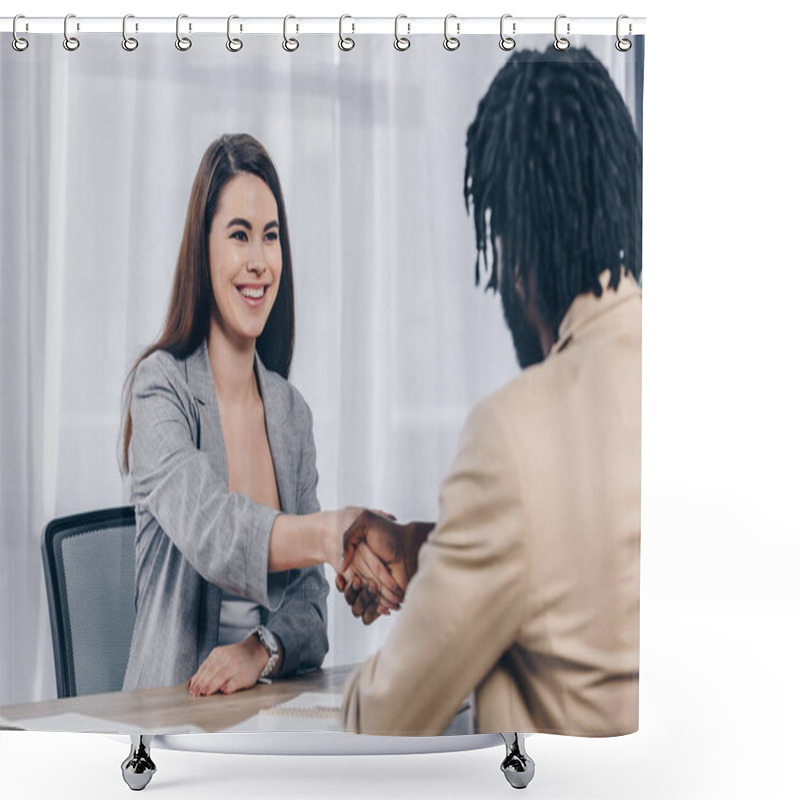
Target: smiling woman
(230,539)
(244,252)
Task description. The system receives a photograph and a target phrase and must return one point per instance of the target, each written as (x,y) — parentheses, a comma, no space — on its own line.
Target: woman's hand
(370,571)
(230,668)
(396,546)
(361,589)
(374,540)
(328,537)
(335,523)
(304,540)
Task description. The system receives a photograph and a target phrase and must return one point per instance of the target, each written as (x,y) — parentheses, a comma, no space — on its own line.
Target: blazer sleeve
(301,621)
(224,535)
(463,607)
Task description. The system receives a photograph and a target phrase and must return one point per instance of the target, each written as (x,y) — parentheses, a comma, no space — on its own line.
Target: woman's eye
(239,235)
(271,236)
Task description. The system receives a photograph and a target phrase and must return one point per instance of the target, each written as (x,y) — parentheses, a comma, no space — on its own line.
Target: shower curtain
(416,303)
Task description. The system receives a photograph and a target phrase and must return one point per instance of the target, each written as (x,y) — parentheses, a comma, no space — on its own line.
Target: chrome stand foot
(138,768)
(517,766)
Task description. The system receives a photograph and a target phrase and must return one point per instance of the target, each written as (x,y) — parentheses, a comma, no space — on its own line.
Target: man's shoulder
(492,420)
(520,411)
(519,395)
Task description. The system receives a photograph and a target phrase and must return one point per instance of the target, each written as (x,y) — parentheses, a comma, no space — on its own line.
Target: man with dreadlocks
(527,590)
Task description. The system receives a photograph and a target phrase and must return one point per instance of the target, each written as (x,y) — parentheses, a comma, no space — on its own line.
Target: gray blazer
(195,538)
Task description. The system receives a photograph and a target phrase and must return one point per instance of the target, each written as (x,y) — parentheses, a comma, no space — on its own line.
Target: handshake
(379,559)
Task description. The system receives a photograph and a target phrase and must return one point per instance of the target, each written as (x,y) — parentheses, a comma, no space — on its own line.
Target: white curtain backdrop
(394,345)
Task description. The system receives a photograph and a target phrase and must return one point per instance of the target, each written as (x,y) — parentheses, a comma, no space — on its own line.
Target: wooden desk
(172,710)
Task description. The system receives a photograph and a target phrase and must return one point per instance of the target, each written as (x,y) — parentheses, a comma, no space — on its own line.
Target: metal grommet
(18,43)
(345,42)
(70,42)
(183,43)
(507,42)
(128,42)
(561,43)
(234,45)
(451,42)
(289,44)
(401,43)
(623,45)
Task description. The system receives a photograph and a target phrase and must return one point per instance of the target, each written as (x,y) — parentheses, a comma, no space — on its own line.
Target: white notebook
(317,711)
(314,705)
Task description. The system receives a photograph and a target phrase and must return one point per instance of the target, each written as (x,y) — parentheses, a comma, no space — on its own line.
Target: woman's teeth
(254,293)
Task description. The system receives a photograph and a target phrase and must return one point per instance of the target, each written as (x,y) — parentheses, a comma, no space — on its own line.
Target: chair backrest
(89,572)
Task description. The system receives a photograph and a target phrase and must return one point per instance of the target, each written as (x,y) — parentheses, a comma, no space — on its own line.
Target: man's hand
(371,541)
(230,668)
(362,589)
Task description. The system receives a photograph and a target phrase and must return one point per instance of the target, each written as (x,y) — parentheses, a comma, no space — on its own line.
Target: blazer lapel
(212,442)
(274,419)
(201,383)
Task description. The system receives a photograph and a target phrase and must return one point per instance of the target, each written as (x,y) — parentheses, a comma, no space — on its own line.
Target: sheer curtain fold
(394,342)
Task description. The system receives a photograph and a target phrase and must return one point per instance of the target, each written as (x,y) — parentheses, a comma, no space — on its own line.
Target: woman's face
(244,253)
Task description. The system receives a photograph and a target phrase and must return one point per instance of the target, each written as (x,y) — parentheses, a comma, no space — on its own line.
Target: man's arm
(464,607)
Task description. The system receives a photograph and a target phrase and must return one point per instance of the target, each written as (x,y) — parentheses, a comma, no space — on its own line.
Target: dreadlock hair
(554,172)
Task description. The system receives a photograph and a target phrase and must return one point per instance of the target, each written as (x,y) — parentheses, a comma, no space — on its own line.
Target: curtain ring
(401,43)
(234,45)
(70,42)
(18,43)
(183,43)
(345,42)
(561,43)
(289,45)
(451,42)
(128,42)
(623,45)
(507,42)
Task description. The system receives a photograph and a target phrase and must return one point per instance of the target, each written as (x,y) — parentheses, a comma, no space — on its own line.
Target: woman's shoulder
(162,362)
(161,369)
(282,391)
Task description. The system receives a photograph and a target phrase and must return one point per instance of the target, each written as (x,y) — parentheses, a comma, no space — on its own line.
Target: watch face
(268,640)
(271,643)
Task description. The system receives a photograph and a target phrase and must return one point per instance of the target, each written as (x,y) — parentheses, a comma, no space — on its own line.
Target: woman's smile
(253,294)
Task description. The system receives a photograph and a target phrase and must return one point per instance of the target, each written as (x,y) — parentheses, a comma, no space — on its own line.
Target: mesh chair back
(89,571)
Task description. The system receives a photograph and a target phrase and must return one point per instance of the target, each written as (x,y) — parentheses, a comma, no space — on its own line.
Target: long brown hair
(191,301)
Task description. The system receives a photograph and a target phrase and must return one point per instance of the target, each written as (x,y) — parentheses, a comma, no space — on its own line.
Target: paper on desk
(71,722)
(315,711)
(309,704)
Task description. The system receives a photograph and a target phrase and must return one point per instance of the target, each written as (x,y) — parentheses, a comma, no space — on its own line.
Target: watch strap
(270,643)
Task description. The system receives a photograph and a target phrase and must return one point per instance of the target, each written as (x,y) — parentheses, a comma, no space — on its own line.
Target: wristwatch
(267,638)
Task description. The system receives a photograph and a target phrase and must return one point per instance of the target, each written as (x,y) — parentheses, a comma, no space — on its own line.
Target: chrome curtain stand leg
(138,768)
(517,766)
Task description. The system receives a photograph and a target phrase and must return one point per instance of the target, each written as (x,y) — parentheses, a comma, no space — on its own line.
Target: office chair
(89,572)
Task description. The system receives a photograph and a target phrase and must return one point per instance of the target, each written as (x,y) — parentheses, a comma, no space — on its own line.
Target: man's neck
(547,335)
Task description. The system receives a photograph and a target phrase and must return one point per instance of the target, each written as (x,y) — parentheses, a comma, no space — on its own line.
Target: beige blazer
(528,588)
